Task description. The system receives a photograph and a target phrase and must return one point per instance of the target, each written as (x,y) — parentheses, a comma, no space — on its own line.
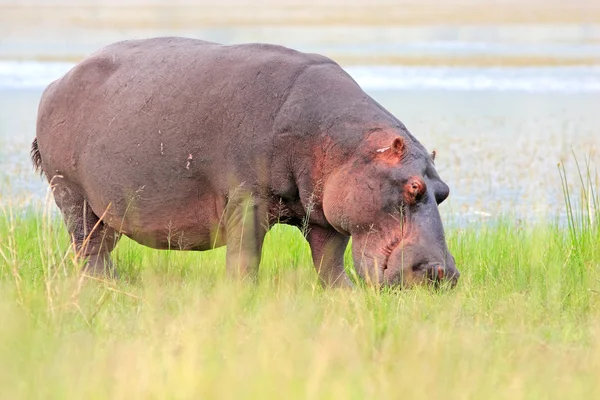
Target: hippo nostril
(440,272)
(435,272)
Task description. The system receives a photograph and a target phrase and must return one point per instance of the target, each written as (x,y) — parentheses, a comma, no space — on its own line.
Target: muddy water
(499,132)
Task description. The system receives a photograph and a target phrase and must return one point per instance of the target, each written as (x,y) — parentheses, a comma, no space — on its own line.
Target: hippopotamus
(180,143)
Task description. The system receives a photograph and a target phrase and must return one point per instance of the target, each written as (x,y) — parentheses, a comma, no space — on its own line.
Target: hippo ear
(393,153)
(433,154)
(398,145)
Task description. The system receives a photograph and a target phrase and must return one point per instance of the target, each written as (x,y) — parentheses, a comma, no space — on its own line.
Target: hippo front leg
(247,225)
(328,247)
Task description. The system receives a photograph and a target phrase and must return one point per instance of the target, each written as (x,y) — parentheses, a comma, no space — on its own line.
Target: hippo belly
(187,223)
(164,204)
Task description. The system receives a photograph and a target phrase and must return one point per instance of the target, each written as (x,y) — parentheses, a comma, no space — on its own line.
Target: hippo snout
(410,266)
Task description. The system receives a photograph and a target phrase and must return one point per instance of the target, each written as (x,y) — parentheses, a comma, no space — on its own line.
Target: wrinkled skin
(185,144)
(390,209)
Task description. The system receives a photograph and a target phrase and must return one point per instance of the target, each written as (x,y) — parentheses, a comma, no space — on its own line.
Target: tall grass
(581,209)
(523,322)
(583,225)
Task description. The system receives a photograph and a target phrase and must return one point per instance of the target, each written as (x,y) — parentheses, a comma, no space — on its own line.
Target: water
(574,79)
(499,131)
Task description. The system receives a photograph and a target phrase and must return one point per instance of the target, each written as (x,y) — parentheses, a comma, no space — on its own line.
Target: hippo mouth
(431,273)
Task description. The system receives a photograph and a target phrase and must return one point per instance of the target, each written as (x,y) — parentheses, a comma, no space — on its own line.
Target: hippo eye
(414,190)
(415,187)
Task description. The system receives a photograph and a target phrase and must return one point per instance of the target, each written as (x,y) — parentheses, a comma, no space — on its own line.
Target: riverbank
(465,33)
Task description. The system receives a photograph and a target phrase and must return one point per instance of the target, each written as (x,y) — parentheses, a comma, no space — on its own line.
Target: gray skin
(184,144)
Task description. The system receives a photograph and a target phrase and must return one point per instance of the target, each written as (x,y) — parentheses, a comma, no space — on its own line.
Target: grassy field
(524,321)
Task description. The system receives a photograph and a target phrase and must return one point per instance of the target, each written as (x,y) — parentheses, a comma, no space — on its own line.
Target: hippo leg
(328,247)
(246,225)
(92,239)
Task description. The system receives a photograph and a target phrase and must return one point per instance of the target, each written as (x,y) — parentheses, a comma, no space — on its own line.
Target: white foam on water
(31,74)
(538,79)
(574,79)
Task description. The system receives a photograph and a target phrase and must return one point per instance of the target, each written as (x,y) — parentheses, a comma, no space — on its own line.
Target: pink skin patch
(440,272)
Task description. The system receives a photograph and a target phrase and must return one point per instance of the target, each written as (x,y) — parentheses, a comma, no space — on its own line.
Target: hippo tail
(36,157)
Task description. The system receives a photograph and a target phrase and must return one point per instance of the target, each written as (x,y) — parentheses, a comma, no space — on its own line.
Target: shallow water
(566,79)
(559,40)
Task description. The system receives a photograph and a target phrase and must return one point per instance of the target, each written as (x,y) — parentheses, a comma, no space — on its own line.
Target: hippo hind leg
(91,238)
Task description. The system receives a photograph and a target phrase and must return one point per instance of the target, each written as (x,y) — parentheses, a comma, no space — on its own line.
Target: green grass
(523,322)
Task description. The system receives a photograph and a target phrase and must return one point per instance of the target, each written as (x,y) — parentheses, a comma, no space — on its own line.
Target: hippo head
(386,196)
